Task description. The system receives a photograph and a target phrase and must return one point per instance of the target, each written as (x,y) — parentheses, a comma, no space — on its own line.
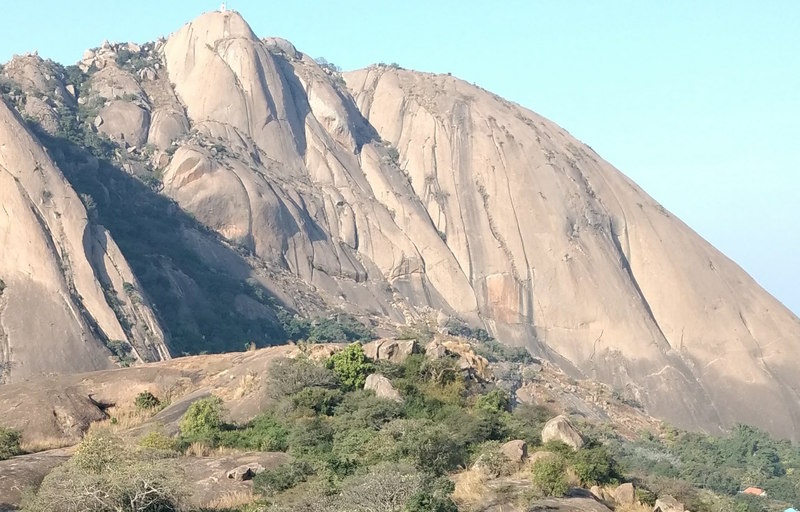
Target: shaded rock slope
(67,289)
(393,194)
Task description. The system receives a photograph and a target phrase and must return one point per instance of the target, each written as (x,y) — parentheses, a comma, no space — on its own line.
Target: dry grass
(35,443)
(123,418)
(203,450)
(247,384)
(231,500)
(470,488)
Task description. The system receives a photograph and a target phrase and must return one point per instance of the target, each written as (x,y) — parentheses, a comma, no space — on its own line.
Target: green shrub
(594,466)
(549,477)
(317,400)
(429,446)
(98,451)
(362,409)
(264,433)
(203,420)
(285,377)
(341,327)
(155,440)
(496,400)
(105,474)
(311,437)
(285,476)
(351,366)
(146,401)
(9,443)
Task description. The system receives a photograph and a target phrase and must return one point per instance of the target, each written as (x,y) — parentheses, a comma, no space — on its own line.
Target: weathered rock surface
(125,123)
(59,272)
(516,451)
(667,503)
(569,232)
(19,474)
(382,387)
(625,494)
(394,351)
(391,192)
(561,429)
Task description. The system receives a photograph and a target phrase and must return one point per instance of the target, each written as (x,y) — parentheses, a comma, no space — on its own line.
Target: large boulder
(394,351)
(124,122)
(435,350)
(382,387)
(625,494)
(561,429)
(516,451)
(667,503)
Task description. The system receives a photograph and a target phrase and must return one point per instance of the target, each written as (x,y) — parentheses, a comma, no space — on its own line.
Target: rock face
(396,194)
(561,429)
(515,451)
(382,387)
(625,494)
(394,351)
(60,272)
(668,504)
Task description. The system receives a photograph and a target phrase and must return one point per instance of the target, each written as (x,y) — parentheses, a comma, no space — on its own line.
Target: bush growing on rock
(202,421)
(283,477)
(146,401)
(351,366)
(105,474)
(286,377)
(9,443)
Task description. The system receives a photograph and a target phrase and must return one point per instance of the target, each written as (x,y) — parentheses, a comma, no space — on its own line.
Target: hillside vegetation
(432,447)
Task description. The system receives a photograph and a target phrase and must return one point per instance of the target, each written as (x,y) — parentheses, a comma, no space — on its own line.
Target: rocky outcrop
(394,351)
(68,288)
(625,494)
(516,451)
(400,194)
(568,232)
(382,387)
(561,429)
(667,503)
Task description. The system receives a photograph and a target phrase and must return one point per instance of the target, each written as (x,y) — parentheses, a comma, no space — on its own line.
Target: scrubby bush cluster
(335,328)
(106,474)
(682,463)
(352,450)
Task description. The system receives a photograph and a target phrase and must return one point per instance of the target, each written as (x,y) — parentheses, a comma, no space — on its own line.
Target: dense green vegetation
(685,464)
(341,437)
(9,443)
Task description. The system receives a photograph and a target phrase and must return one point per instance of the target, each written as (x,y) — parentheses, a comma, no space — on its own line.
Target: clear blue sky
(699,102)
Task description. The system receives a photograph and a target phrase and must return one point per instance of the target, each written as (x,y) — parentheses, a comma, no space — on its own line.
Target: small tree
(351,366)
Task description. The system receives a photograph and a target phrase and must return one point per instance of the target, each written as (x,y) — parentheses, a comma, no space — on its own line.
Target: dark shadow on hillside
(194,296)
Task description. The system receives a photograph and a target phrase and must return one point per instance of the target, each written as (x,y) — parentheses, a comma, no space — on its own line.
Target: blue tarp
(790,510)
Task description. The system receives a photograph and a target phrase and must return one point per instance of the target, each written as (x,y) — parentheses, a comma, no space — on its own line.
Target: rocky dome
(396,194)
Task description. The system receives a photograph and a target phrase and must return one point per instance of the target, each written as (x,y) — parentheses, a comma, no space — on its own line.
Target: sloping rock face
(392,193)
(389,191)
(565,255)
(61,274)
(283,164)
